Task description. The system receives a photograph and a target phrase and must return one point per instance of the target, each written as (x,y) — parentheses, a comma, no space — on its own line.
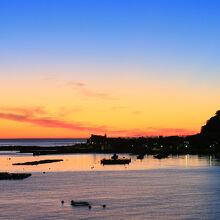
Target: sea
(177,187)
(43,142)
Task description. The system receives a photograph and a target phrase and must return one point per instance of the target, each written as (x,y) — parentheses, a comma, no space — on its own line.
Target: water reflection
(91,162)
(187,160)
(210,161)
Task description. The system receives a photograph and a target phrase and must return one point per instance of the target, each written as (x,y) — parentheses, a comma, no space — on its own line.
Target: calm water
(45,142)
(185,187)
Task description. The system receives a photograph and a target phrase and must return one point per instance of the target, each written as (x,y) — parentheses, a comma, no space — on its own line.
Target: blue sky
(156,58)
(169,33)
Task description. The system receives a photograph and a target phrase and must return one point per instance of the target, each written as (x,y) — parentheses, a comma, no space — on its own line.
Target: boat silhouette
(115,160)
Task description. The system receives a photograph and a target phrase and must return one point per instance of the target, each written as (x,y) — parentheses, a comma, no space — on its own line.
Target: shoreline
(85,149)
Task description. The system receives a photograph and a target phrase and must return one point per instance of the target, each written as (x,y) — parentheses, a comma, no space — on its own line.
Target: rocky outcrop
(212,127)
(14,176)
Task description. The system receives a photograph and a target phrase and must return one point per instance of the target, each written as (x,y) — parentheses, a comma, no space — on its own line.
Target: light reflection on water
(91,162)
(178,187)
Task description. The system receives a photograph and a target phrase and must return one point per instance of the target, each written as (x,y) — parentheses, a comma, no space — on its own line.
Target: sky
(126,68)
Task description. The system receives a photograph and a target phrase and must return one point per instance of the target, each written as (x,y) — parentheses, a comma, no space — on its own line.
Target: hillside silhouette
(212,127)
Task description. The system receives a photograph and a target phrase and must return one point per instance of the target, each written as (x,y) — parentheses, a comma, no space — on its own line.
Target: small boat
(113,161)
(74,203)
(161,156)
(140,156)
(14,176)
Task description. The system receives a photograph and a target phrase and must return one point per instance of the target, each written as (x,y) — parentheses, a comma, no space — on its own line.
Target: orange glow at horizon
(35,107)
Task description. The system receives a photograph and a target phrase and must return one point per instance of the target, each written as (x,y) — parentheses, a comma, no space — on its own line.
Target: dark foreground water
(186,187)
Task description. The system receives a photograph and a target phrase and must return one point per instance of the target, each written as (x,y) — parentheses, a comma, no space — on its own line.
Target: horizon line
(153,136)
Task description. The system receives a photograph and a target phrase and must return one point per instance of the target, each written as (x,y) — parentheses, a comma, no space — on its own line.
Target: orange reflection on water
(91,162)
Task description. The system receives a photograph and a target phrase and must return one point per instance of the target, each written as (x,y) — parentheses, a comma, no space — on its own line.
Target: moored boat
(140,156)
(115,161)
(161,155)
(74,203)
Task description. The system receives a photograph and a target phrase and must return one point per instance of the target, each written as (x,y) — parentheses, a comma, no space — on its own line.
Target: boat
(14,176)
(161,155)
(74,203)
(115,161)
(140,156)
(112,161)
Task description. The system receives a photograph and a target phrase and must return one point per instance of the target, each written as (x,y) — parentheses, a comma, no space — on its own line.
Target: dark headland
(205,142)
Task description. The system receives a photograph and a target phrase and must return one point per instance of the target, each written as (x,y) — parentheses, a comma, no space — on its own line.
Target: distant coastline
(43,142)
(205,142)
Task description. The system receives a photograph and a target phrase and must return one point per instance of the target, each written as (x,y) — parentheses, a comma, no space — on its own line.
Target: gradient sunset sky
(70,68)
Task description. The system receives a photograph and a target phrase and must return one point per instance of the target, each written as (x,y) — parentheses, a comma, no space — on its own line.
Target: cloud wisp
(51,122)
(76,84)
(38,116)
(81,87)
(25,111)
(84,90)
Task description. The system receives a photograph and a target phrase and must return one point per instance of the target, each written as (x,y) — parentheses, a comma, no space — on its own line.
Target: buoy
(104,206)
(62,202)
